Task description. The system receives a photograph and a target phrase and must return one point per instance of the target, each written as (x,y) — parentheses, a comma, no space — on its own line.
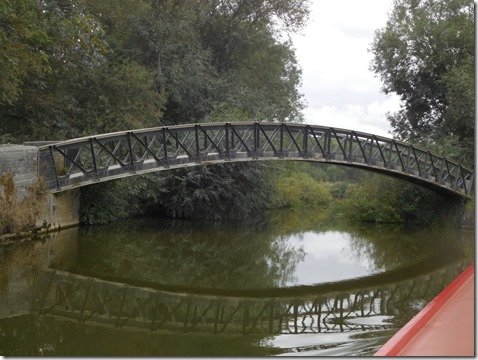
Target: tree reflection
(20,262)
(189,253)
(392,247)
(250,255)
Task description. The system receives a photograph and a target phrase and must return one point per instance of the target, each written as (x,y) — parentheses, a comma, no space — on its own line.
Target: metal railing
(78,162)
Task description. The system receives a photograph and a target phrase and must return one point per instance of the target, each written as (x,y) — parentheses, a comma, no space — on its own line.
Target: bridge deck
(445,327)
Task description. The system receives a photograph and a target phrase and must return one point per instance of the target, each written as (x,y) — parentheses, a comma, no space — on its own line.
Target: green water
(303,283)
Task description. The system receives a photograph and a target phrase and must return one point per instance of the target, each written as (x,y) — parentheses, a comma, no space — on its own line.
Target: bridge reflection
(114,304)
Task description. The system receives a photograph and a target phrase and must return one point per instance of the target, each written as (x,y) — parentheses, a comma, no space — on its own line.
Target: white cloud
(333,53)
(370,118)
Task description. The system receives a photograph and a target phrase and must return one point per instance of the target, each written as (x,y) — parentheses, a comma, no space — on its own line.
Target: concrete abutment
(59,210)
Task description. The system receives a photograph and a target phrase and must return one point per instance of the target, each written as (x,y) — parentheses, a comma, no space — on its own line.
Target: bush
(19,214)
(300,189)
(123,198)
(338,189)
(382,199)
(216,192)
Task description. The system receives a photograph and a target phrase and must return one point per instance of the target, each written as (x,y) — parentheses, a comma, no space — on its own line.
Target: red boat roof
(445,327)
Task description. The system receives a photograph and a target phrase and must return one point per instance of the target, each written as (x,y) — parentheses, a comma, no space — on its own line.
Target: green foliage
(82,67)
(319,171)
(121,96)
(339,189)
(301,190)
(425,54)
(218,192)
(266,84)
(108,202)
(22,40)
(74,68)
(382,199)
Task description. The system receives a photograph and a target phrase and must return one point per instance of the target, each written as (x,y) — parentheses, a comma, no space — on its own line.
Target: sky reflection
(329,256)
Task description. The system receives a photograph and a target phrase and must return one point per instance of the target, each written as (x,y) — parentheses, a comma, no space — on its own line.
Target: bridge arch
(79,162)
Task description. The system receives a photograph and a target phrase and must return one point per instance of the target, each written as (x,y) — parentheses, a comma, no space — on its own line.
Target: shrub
(19,214)
(300,189)
(382,199)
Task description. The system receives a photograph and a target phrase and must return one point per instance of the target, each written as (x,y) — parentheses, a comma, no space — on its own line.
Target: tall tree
(244,72)
(22,42)
(246,40)
(425,54)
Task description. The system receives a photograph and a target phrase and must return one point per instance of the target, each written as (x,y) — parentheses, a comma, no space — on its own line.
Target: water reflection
(188,253)
(191,289)
(272,253)
(91,300)
(329,256)
(390,247)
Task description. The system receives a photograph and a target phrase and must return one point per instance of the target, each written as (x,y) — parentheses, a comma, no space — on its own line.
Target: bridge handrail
(354,147)
(212,125)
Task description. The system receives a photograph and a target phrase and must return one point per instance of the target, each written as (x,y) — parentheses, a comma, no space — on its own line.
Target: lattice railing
(83,161)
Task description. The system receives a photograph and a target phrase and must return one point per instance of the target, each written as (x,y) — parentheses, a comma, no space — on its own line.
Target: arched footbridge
(78,162)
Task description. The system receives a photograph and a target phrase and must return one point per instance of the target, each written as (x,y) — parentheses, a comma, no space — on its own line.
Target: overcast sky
(332,51)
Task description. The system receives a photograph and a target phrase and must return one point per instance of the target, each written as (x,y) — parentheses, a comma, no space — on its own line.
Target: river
(292,283)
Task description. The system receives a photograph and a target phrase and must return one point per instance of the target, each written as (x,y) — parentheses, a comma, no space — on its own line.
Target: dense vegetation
(81,67)
(426,55)
(360,196)
(78,67)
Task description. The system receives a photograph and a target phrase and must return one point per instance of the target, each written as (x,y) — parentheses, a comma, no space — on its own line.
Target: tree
(381,199)
(82,67)
(231,24)
(425,54)
(264,86)
(22,42)
(222,61)
(246,40)
(93,83)
(70,43)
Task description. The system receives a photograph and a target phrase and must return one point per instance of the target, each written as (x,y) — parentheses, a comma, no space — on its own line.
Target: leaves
(425,55)
(301,190)
(229,191)
(381,199)
(22,40)
(82,67)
